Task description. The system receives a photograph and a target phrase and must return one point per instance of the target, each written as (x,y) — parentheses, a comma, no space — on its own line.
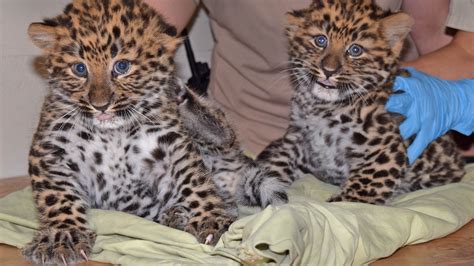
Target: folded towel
(305,231)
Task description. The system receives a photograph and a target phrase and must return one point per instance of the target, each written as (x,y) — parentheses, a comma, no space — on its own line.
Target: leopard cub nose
(328,71)
(101,108)
(330,65)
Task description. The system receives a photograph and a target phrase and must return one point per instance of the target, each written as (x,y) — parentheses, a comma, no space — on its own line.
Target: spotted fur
(110,134)
(233,171)
(344,57)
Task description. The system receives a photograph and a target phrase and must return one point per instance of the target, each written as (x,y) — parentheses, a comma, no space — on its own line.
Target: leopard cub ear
(295,20)
(395,29)
(44,36)
(296,17)
(171,43)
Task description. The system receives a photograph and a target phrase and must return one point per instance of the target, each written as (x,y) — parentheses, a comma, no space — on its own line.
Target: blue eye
(121,67)
(79,69)
(321,41)
(355,50)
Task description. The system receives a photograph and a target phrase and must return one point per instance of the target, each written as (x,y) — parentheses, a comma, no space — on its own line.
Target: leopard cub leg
(197,206)
(376,174)
(59,246)
(207,220)
(368,188)
(63,236)
(210,214)
(208,226)
(439,164)
(175,217)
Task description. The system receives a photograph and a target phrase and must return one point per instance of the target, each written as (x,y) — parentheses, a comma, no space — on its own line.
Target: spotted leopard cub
(344,55)
(110,134)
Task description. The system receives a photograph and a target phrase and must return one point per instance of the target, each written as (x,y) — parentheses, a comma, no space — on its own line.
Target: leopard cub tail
(259,187)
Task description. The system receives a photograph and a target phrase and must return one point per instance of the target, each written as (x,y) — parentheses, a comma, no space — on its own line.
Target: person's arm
(429,31)
(436,99)
(442,55)
(453,61)
(432,105)
(176,12)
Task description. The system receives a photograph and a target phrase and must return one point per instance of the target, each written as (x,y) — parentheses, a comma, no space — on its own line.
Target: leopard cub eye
(355,50)
(320,41)
(79,69)
(121,67)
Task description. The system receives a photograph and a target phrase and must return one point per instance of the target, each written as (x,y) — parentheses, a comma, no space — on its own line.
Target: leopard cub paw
(175,217)
(208,230)
(60,246)
(335,198)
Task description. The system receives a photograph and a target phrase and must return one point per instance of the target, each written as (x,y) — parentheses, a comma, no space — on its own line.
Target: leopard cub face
(343,50)
(104,59)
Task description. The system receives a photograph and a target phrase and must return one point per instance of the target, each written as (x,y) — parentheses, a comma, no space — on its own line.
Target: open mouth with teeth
(327,84)
(108,121)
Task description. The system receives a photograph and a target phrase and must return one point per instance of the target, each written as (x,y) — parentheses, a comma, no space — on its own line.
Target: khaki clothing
(250,78)
(461,15)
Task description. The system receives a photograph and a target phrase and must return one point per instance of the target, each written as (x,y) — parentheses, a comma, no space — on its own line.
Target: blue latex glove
(432,106)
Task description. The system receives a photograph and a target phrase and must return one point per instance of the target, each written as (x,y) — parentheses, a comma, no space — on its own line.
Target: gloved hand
(432,106)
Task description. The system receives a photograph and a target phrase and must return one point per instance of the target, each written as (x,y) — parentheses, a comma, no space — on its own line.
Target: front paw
(208,230)
(175,217)
(335,198)
(60,246)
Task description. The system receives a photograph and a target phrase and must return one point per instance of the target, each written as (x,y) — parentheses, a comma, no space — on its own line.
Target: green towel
(305,231)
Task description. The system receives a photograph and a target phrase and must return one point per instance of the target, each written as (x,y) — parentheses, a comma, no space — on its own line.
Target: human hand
(431,106)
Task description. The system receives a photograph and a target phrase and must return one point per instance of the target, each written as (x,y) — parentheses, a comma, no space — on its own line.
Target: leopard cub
(111,135)
(344,57)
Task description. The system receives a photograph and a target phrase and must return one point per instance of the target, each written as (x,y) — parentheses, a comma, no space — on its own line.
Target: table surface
(454,249)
